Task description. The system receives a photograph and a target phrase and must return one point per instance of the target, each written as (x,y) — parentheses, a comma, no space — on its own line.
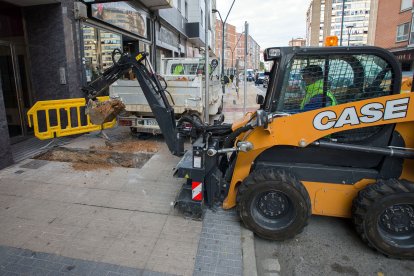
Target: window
(202,18)
(344,78)
(412,31)
(406,4)
(179,5)
(402,32)
(186,10)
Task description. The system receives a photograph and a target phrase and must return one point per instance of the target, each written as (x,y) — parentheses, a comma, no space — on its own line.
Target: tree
(262,66)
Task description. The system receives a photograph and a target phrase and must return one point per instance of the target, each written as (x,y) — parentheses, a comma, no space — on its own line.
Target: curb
(249,256)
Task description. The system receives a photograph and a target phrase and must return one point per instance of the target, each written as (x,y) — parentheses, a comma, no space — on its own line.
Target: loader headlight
(272,53)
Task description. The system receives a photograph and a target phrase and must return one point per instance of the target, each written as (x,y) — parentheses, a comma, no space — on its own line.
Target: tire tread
(262,175)
(369,195)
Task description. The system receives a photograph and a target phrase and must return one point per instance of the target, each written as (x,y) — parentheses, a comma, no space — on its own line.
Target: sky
(271,22)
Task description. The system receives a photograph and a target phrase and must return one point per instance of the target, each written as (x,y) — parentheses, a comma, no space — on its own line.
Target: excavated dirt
(130,146)
(96,159)
(102,112)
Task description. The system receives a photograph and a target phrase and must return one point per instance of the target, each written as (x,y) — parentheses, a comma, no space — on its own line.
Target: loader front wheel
(383,214)
(273,204)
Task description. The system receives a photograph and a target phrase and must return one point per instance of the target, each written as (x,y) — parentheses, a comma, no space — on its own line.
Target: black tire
(383,215)
(273,204)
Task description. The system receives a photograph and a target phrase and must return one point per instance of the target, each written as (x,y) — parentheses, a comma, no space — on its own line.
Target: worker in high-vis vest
(312,75)
(178,70)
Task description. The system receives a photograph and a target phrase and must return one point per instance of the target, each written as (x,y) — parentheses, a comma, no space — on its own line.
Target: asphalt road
(327,246)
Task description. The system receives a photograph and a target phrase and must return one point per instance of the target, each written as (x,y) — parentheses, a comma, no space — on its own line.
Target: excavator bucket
(103,112)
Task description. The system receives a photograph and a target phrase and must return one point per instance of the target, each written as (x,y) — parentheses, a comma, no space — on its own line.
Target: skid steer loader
(341,146)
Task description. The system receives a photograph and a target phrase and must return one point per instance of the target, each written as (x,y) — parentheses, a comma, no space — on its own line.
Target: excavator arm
(152,89)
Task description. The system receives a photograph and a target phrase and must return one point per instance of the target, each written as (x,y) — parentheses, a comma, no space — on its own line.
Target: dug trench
(94,158)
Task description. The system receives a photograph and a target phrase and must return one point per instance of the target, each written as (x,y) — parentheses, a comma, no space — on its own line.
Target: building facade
(394,31)
(230,41)
(297,42)
(347,19)
(71,45)
(234,43)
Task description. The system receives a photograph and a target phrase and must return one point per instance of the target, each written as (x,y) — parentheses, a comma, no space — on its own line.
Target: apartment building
(347,19)
(234,48)
(297,42)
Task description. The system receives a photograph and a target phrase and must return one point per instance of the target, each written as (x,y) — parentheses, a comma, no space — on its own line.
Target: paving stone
(58,273)
(47,265)
(219,249)
(8,273)
(10,259)
(39,272)
(27,261)
(17,268)
(129,271)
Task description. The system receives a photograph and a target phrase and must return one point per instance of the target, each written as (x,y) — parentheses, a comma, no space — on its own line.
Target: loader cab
(346,74)
(343,75)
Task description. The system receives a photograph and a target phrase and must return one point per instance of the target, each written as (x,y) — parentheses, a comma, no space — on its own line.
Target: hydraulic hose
(228,142)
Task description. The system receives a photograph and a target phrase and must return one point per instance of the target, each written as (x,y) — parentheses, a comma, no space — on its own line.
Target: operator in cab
(312,76)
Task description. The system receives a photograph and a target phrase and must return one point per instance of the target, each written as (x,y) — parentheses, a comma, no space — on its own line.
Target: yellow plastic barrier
(57,116)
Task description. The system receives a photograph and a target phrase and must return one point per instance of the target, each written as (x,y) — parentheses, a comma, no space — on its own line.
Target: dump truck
(183,79)
(333,150)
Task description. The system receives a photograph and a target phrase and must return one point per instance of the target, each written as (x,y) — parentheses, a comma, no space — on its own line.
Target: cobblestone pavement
(16,261)
(219,250)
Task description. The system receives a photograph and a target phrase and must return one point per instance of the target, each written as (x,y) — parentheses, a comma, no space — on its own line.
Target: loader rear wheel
(383,214)
(273,204)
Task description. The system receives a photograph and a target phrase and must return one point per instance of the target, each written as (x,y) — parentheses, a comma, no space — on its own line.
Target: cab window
(314,82)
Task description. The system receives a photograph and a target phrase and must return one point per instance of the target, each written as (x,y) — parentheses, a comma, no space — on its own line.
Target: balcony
(196,33)
(173,17)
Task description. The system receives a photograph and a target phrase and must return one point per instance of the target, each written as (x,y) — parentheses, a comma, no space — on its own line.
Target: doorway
(15,89)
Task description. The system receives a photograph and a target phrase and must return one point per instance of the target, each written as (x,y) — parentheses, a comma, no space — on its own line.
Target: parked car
(250,77)
(260,78)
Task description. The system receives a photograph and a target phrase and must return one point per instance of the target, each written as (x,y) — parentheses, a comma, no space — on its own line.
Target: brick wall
(389,17)
(229,41)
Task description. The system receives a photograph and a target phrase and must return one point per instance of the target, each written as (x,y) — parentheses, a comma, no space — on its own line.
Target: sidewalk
(61,218)
(233,102)
(115,215)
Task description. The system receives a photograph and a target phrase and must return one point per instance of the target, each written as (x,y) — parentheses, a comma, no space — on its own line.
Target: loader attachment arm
(152,89)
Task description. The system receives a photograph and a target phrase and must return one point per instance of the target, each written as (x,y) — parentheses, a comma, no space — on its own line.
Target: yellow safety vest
(316,89)
(178,70)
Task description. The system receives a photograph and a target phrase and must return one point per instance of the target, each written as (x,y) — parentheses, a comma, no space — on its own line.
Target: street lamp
(349,32)
(231,50)
(223,23)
